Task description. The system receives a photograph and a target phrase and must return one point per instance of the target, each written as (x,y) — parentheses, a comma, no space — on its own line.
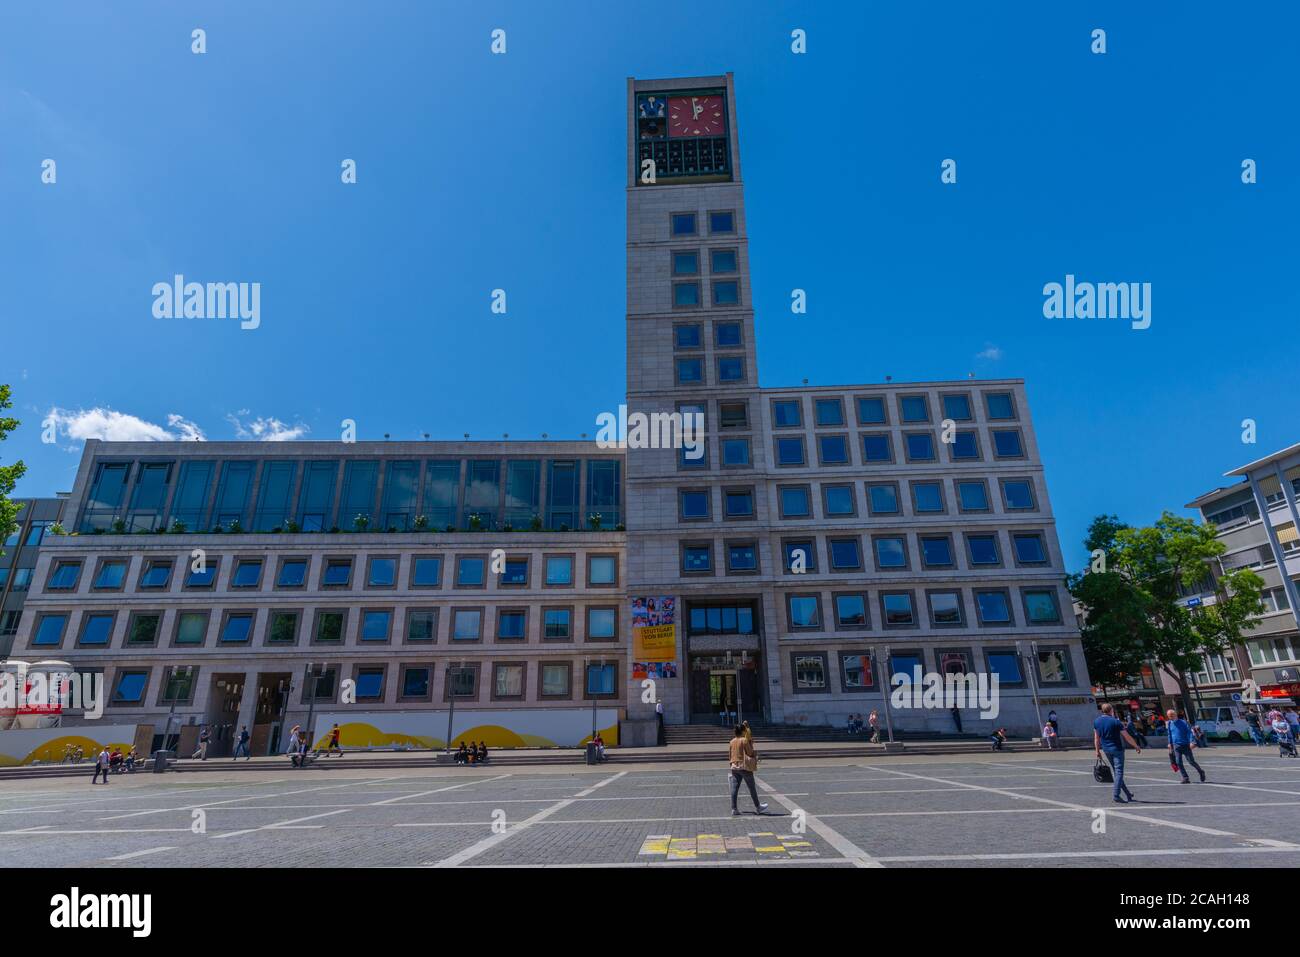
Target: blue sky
(478,172)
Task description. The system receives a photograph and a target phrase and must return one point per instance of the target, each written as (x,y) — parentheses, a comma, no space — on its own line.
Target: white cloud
(990,352)
(265,428)
(113,426)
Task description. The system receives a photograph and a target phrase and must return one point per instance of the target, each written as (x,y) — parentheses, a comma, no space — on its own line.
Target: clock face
(701,115)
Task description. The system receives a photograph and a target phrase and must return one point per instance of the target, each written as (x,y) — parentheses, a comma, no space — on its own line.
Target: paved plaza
(1030,810)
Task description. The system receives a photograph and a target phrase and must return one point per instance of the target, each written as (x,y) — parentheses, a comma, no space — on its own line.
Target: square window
(726,292)
(876,448)
(130,687)
(830,412)
(191,628)
(733,415)
(427,572)
(846,554)
(338,572)
(851,611)
(731,369)
(920,447)
(293,573)
(735,452)
(1006,444)
(248,572)
(739,502)
(786,414)
(50,630)
(722,261)
(686,263)
(370,683)
(415,683)
(683,224)
(726,334)
(515,572)
(1029,548)
(897,608)
(809,673)
(833,449)
(1054,666)
(993,607)
(690,370)
(1005,663)
(856,673)
(511,625)
(789,451)
(999,405)
(694,504)
(469,572)
(805,612)
(1040,607)
(375,625)
(697,558)
(508,681)
(284,628)
(890,552)
(555,681)
(687,336)
(111,575)
(601,624)
(945,608)
(65,576)
(1017,494)
(686,295)
(965,446)
(742,558)
(329,626)
(96,629)
(883,499)
(559,570)
(722,222)
(600,680)
(383,573)
(238,628)
(156,575)
(602,570)
(801,552)
(557,623)
(973,496)
(936,551)
(914,408)
(927,496)
(871,410)
(794,501)
(422,625)
(957,407)
(838,500)
(144,628)
(467,624)
(983,549)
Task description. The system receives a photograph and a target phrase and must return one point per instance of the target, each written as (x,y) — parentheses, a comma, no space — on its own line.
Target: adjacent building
(1257,520)
(18,556)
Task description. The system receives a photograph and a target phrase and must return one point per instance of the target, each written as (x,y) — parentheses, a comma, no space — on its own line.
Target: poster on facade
(642,670)
(654,629)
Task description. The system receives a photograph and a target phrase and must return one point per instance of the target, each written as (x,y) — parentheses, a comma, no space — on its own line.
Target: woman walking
(743,765)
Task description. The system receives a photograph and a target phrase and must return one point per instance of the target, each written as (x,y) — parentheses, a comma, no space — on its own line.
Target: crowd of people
(113,762)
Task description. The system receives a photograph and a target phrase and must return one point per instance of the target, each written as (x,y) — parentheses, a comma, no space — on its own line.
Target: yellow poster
(654,629)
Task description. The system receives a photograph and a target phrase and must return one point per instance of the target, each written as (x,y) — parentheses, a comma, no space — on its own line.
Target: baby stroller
(1285,740)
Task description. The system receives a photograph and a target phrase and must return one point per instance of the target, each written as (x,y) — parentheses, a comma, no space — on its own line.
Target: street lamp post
(889,721)
(311,681)
(452,672)
(1031,666)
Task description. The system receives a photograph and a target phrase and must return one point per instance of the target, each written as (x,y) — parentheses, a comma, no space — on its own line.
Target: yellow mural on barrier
(407,729)
(55,750)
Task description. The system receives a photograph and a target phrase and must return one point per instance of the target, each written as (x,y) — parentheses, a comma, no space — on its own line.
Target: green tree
(9,474)
(1136,607)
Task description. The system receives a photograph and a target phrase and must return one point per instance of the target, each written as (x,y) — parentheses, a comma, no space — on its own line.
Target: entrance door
(271,699)
(223,712)
(751,708)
